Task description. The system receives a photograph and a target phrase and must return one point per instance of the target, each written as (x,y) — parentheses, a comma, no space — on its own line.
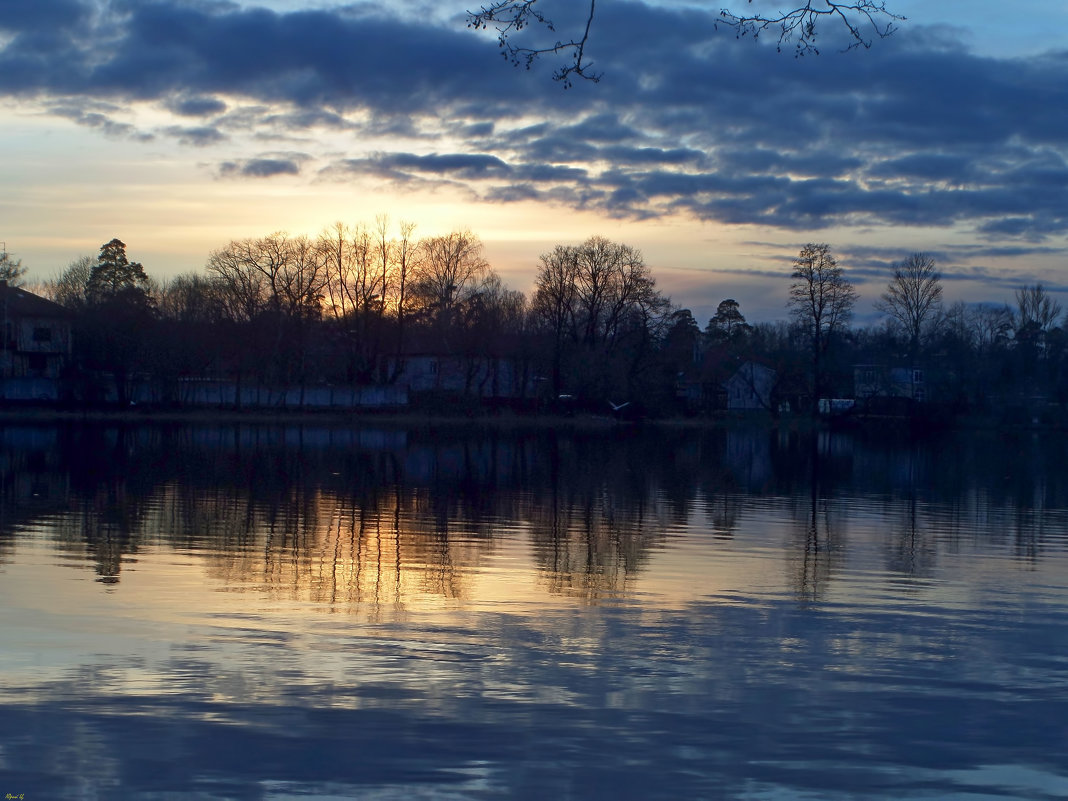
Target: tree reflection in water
(379,518)
(655,613)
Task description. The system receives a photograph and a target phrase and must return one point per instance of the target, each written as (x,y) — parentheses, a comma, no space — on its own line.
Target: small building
(750,388)
(35,344)
(876,381)
(485,377)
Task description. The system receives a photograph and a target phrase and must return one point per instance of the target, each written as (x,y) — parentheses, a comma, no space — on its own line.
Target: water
(279,612)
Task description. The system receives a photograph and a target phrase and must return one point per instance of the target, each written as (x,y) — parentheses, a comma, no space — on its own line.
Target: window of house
(433,367)
(42,334)
(36,362)
(917,376)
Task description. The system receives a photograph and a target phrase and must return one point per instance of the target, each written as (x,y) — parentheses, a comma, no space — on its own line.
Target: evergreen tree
(119,318)
(729,324)
(115,277)
(11,269)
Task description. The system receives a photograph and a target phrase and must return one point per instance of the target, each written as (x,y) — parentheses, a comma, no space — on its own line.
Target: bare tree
(68,288)
(274,273)
(368,283)
(450,269)
(592,297)
(405,254)
(488,326)
(586,292)
(821,301)
(863,20)
(190,299)
(359,268)
(1036,308)
(913,298)
(991,327)
(272,289)
(243,291)
(553,304)
(301,285)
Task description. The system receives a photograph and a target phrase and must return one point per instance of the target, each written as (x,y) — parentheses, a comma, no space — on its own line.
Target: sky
(179,125)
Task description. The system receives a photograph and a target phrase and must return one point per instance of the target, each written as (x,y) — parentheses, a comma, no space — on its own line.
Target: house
(749,389)
(35,344)
(872,381)
(485,377)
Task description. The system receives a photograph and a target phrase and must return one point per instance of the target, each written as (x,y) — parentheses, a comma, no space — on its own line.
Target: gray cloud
(100,116)
(267,165)
(916,131)
(199,136)
(196,106)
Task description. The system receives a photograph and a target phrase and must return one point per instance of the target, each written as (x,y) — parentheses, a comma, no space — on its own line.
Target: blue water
(326,613)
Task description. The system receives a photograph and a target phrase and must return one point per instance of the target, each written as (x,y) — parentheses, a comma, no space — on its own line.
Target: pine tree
(115,277)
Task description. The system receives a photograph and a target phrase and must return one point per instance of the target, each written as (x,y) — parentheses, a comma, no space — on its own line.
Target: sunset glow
(178,127)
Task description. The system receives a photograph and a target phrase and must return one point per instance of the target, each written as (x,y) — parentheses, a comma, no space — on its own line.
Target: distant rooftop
(17,302)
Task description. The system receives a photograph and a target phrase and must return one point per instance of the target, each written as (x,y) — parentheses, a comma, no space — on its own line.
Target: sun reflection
(382,526)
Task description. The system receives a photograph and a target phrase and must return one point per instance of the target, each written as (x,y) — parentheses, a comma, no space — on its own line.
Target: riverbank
(507,419)
(392,418)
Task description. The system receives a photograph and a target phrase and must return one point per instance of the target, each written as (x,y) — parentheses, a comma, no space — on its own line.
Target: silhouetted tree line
(354,305)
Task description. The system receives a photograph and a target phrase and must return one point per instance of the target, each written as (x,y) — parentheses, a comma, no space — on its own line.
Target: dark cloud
(1034,227)
(100,116)
(513,193)
(916,131)
(19,16)
(266,166)
(1009,252)
(409,169)
(405,167)
(462,165)
(604,127)
(475,130)
(550,173)
(935,167)
(196,106)
(199,136)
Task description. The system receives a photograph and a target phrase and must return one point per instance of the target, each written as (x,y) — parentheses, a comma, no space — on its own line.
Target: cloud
(264,166)
(43,15)
(199,136)
(917,131)
(458,164)
(196,106)
(100,116)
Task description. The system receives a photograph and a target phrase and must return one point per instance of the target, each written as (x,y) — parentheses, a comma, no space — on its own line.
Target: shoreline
(412,418)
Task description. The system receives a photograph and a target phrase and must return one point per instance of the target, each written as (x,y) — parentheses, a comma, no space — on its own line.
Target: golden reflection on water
(572,620)
(397,556)
(385,528)
(401,554)
(322,552)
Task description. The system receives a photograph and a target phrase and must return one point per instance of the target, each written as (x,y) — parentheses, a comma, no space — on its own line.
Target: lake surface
(314,612)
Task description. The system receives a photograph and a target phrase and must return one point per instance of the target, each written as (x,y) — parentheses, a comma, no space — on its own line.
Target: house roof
(17,302)
(748,369)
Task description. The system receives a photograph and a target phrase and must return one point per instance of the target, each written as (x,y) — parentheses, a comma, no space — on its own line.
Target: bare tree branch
(864,21)
(508,17)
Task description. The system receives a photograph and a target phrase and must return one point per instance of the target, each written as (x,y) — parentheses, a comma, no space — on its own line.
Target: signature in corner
(15,797)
